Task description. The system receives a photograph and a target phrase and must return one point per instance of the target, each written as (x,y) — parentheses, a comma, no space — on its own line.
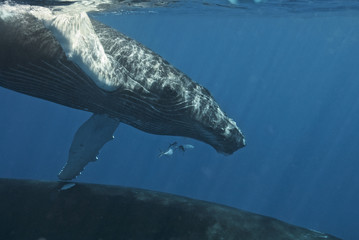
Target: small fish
(184,147)
(169,152)
(172,147)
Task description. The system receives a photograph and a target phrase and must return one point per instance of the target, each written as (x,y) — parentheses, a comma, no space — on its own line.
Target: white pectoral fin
(88,141)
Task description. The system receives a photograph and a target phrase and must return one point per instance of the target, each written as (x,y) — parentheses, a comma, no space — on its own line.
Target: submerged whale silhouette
(70,59)
(58,210)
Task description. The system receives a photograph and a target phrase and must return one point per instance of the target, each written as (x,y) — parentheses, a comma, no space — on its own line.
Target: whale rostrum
(70,59)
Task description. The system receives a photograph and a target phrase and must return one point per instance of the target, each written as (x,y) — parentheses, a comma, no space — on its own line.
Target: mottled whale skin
(57,210)
(143,90)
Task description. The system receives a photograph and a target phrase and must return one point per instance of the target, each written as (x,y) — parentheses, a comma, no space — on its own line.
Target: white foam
(4,12)
(83,6)
(8,11)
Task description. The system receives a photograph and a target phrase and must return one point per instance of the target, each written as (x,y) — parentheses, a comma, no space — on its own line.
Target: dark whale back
(58,210)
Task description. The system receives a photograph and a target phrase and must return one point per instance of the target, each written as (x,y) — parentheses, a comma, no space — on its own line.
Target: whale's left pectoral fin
(88,141)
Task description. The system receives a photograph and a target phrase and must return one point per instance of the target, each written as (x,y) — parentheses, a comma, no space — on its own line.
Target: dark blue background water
(290,82)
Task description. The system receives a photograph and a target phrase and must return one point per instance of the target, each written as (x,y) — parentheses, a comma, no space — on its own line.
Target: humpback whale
(68,58)
(57,210)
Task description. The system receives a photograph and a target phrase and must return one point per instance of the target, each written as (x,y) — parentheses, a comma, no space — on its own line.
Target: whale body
(76,61)
(57,210)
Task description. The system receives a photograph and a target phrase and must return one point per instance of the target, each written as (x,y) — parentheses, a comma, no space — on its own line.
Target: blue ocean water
(285,71)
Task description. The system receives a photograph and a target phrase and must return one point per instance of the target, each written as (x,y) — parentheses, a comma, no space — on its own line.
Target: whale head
(205,121)
(178,106)
(208,123)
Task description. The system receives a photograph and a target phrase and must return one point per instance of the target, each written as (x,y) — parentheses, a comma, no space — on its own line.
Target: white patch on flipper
(88,141)
(78,39)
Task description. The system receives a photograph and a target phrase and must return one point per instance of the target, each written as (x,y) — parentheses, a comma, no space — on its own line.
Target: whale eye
(169,91)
